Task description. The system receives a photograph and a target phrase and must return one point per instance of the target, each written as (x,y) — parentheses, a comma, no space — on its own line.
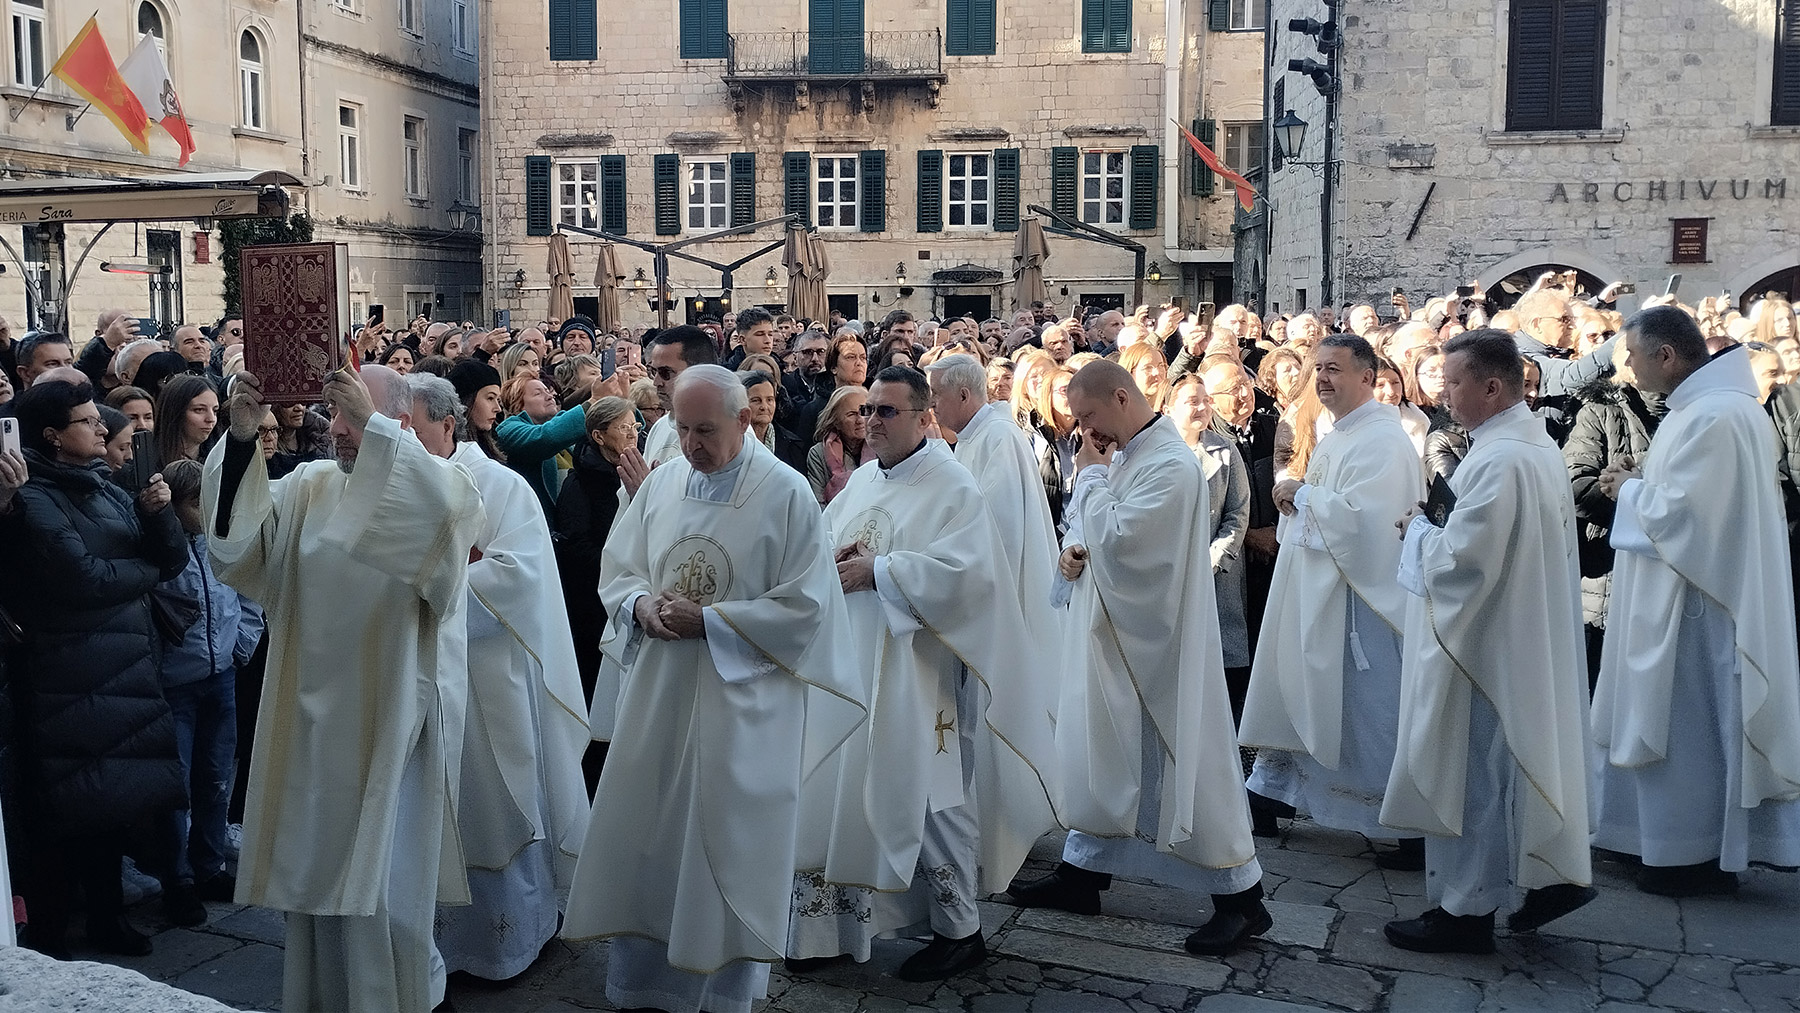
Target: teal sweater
(531,448)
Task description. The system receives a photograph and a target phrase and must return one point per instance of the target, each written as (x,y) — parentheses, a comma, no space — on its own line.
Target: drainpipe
(1174,45)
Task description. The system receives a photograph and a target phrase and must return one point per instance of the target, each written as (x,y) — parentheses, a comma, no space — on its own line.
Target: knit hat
(470,375)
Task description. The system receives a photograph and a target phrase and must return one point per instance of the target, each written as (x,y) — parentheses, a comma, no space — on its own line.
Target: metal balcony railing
(798,56)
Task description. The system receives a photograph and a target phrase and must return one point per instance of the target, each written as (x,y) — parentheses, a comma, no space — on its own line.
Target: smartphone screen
(1464,291)
(9,437)
(148,327)
(377,313)
(1673,286)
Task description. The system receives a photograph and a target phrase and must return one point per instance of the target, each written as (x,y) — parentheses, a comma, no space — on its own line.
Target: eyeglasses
(664,373)
(886,411)
(94,422)
(267,430)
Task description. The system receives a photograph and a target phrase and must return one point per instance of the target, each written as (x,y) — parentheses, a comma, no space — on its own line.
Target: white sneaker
(137,886)
(234,839)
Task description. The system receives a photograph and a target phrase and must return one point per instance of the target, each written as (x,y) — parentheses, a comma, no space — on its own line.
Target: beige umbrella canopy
(562,279)
(606,279)
(807,268)
(1029,253)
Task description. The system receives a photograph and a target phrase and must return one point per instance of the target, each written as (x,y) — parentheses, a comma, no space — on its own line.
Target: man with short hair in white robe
(1697,711)
(1491,761)
(522,805)
(728,623)
(941,800)
(1151,783)
(669,354)
(995,450)
(361,566)
(1325,690)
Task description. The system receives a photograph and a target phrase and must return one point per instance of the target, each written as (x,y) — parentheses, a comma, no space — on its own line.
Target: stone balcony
(864,59)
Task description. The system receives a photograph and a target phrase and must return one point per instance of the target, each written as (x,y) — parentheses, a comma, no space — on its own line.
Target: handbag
(174,613)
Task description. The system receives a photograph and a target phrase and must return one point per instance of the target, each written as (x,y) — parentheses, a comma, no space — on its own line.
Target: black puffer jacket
(1614,420)
(98,741)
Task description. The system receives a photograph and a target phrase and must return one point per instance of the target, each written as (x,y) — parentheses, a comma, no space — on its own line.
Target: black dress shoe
(115,935)
(1548,903)
(943,958)
(1067,888)
(1702,880)
(182,905)
(1409,856)
(1264,811)
(220,887)
(1436,931)
(1227,930)
(804,965)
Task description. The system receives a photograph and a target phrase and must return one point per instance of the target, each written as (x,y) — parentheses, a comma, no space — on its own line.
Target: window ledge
(260,135)
(418,202)
(355,192)
(48,98)
(347,11)
(1782,132)
(1504,138)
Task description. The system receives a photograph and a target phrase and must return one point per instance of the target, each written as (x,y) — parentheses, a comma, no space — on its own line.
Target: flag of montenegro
(87,67)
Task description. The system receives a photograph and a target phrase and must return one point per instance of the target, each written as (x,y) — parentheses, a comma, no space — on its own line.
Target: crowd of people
(758,639)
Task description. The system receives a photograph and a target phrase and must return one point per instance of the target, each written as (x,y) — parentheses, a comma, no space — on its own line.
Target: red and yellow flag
(1245,192)
(87,67)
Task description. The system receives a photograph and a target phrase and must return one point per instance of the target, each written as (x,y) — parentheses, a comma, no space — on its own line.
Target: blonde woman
(1055,440)
(1147,366)
(1030,366)
(520,358)
(839,447)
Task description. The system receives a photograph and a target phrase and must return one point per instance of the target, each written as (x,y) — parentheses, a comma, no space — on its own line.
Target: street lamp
(1290,133)
(769,278)
(899,274)
(1153,273)
(640,281)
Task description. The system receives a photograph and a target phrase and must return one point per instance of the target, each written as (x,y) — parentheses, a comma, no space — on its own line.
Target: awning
(147,198)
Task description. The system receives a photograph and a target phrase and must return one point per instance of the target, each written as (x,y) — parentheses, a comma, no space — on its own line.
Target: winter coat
(1614,420)
(98,740)
(226,632)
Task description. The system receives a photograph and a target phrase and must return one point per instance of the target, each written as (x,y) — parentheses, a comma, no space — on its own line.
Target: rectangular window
(1103,187)
(1785,109)
(1243,146)
(351,7)
(1555,57)
(250,84)
(350,146)
(969,191)
(412,149)
(578,193)
(1106,26)
(970,28)
(462,26)
(468,183)
(409,16)
(708,195)
(28,43)
(1246,15)
(835,186)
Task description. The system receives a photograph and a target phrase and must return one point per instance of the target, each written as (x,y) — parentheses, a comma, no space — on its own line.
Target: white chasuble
(997,452)
(1707,518)
(364,578)
(524,683)
(941,552)
(692,836)
(1496,613)
(1143,656)
(1340,541)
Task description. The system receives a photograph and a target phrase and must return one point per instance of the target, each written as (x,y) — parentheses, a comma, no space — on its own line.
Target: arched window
(250,79)
(150,22)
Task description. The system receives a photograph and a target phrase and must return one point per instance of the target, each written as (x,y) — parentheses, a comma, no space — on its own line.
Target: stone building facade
(264,86)
(236,68)
(914,135)
(1495,139)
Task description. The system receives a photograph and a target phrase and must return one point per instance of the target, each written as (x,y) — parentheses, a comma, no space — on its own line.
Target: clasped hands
(669,616)
(1617,474)
(855,567)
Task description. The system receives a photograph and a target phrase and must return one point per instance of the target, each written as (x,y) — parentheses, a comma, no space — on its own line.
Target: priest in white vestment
(940,801)
(1697,711)
(361,566)
(1151,784)
(523,805)
(1491,761)
(996,451)
(727,621)
(1325,686)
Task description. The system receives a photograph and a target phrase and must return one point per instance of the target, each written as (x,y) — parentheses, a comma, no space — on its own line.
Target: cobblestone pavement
(1627,952)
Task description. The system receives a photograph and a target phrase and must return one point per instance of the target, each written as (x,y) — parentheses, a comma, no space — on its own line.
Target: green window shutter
(537,196)
(1006,189)
(668,194)
(931,191)
(970,28)
(703,29)
(573,30)
(1218,15)
(1106,26)
(796,185)
(612,194)
(1065,164)
(1280,101)
(956,30)
(743,187)
(1204,177)
(1141,212)
(873,180)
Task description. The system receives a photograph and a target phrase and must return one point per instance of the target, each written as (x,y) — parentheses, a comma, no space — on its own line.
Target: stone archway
(1591,273)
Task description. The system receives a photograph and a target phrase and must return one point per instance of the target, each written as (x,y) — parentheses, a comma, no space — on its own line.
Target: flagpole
(77,117)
